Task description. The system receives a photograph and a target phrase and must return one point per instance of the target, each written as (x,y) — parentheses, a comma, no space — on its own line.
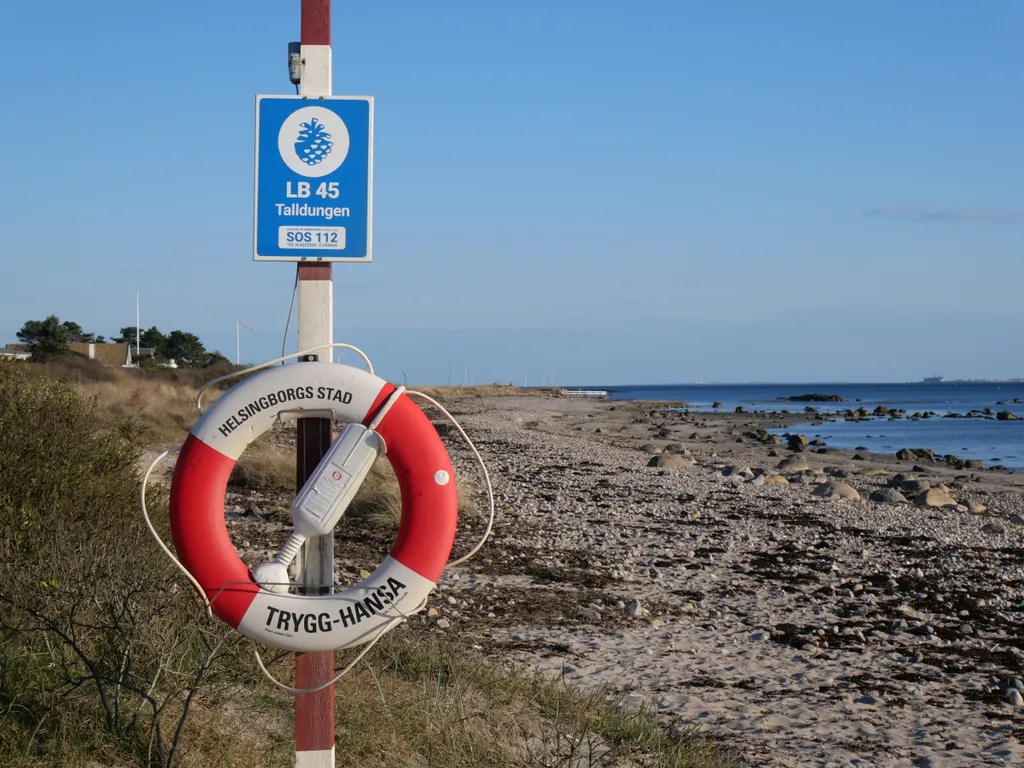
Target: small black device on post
(295,63)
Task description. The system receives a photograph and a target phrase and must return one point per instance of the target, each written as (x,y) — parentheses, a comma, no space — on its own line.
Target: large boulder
(901,479)
(915,487)
(836,490)
(888,496)
(670,461)
(797,443)
(1007,416)
(682,450)
(915,454)
(763,436)
(737,471)
(794,464)
(935,498)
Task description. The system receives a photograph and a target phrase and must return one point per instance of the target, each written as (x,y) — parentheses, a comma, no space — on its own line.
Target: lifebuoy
(352,615)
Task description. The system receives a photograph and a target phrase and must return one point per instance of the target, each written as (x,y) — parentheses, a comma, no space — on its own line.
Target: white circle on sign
(441,477)
(313,142)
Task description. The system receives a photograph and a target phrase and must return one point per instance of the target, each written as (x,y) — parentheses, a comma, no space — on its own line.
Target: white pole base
(317,758)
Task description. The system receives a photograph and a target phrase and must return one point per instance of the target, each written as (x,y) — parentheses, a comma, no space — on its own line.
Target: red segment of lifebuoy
(429,510)
(200,534)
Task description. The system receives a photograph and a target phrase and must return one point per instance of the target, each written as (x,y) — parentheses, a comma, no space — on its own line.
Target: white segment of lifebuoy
(250,408)
(350,616)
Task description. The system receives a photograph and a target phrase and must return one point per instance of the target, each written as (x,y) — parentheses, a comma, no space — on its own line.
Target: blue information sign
(314,178)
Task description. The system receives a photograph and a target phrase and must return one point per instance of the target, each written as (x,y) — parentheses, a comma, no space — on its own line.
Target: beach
(753,602)
(800,629)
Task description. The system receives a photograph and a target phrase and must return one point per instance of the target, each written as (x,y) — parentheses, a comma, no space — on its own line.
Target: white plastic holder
(323,499)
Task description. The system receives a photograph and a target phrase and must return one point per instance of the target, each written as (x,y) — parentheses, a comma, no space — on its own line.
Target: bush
(98,651)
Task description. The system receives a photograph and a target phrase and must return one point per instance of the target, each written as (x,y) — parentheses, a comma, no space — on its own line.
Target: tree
(127,335)
(215,358)
(45,337)
(185,348)
(154,338)
(181,346)
(76,335)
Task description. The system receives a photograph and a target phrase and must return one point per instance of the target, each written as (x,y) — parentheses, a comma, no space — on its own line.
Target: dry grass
(265,467)
(425,702)
(455,392)
(378,500)
(164,411)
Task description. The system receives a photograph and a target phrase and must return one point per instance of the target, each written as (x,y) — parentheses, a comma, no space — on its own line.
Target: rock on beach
(835,490)
(935,497)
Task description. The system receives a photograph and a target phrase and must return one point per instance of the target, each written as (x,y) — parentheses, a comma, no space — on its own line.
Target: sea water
(992,441)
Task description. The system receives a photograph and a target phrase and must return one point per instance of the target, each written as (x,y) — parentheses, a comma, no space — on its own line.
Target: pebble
(634,608)
(443,623)
(1014,697)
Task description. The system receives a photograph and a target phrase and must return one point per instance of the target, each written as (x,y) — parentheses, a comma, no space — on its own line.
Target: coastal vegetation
(52,337)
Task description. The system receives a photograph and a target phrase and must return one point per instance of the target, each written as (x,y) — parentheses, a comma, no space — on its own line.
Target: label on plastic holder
(326,492)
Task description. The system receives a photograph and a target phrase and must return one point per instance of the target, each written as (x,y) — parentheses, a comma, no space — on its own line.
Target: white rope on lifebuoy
(440,476)
(351,615)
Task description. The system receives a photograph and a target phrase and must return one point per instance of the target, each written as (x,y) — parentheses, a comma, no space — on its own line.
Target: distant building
(11,352)
(105,354)
(110,353)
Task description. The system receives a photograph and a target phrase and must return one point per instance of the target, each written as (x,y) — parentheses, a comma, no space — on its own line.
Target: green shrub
(99,653)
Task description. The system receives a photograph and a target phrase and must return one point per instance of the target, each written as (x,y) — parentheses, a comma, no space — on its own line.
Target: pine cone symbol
(314,143)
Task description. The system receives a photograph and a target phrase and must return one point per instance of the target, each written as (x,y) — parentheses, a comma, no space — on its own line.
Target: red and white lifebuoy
(351,615)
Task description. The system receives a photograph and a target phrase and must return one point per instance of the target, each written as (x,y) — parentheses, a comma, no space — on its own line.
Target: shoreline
(821,414)
(799,629)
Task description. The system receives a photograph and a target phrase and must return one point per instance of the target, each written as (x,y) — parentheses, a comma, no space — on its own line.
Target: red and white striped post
(314,712)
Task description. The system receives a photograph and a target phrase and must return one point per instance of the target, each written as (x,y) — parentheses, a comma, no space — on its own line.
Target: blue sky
(602,192)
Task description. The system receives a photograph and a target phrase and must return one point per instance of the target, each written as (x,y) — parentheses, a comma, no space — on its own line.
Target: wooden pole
(314,712)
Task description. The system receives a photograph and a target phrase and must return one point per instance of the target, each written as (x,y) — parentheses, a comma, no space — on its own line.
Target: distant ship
(933,379)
